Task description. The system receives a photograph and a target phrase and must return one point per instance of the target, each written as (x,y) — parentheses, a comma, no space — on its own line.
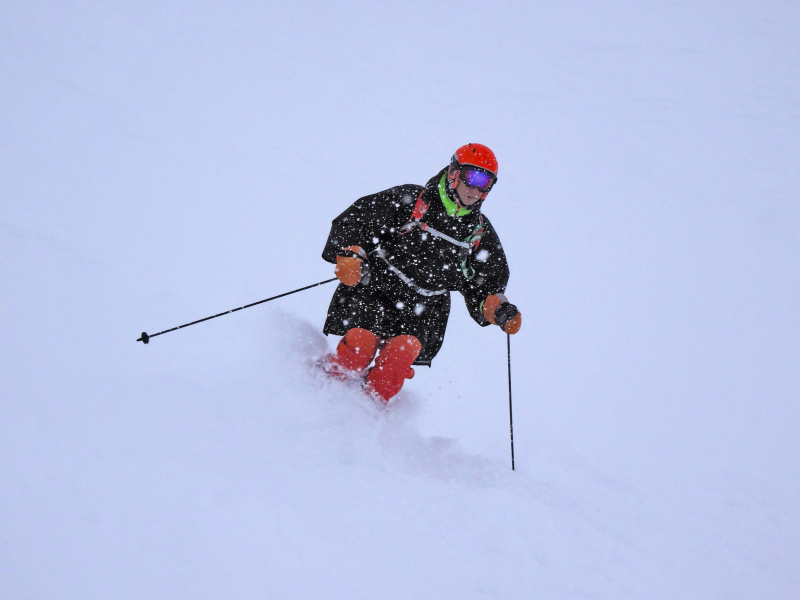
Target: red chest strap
(420,208)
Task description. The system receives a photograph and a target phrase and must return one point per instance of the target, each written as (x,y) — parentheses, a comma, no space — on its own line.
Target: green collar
(450,206)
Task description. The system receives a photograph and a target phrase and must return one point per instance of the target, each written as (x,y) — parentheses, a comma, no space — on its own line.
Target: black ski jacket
(417,262)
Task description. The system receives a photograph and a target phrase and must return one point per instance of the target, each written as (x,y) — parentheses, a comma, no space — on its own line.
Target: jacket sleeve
(371,220)
(491,274)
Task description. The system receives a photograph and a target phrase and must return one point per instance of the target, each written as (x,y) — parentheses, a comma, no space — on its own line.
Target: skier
(398,254)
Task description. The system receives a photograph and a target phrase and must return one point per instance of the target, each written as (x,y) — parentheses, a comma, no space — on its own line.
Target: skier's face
(469,195)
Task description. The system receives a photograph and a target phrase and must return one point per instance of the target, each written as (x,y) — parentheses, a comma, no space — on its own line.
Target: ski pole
(146,338)
(510,412)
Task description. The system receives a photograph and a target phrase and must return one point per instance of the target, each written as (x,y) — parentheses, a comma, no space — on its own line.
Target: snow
(161,163)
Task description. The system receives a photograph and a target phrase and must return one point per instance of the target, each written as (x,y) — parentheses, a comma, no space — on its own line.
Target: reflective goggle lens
(478,179)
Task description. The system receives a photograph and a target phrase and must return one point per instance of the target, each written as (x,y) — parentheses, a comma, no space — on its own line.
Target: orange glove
(499,311)
(349,269)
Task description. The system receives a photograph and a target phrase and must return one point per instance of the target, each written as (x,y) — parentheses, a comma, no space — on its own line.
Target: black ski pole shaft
(510,412)
(146,338)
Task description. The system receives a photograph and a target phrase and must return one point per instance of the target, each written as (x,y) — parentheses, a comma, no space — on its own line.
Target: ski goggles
(477,178)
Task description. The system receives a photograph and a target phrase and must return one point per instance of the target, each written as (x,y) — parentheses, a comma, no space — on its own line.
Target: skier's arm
(491,278)
(347,229)
(369,221)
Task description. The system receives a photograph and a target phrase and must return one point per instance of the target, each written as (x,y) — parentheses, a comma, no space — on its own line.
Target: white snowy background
(160,162)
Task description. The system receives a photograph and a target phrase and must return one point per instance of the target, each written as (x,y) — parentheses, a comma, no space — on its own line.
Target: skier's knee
(393,366)
(355,350)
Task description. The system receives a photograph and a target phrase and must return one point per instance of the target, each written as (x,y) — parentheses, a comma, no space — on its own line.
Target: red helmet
(475,165)
(476,155)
